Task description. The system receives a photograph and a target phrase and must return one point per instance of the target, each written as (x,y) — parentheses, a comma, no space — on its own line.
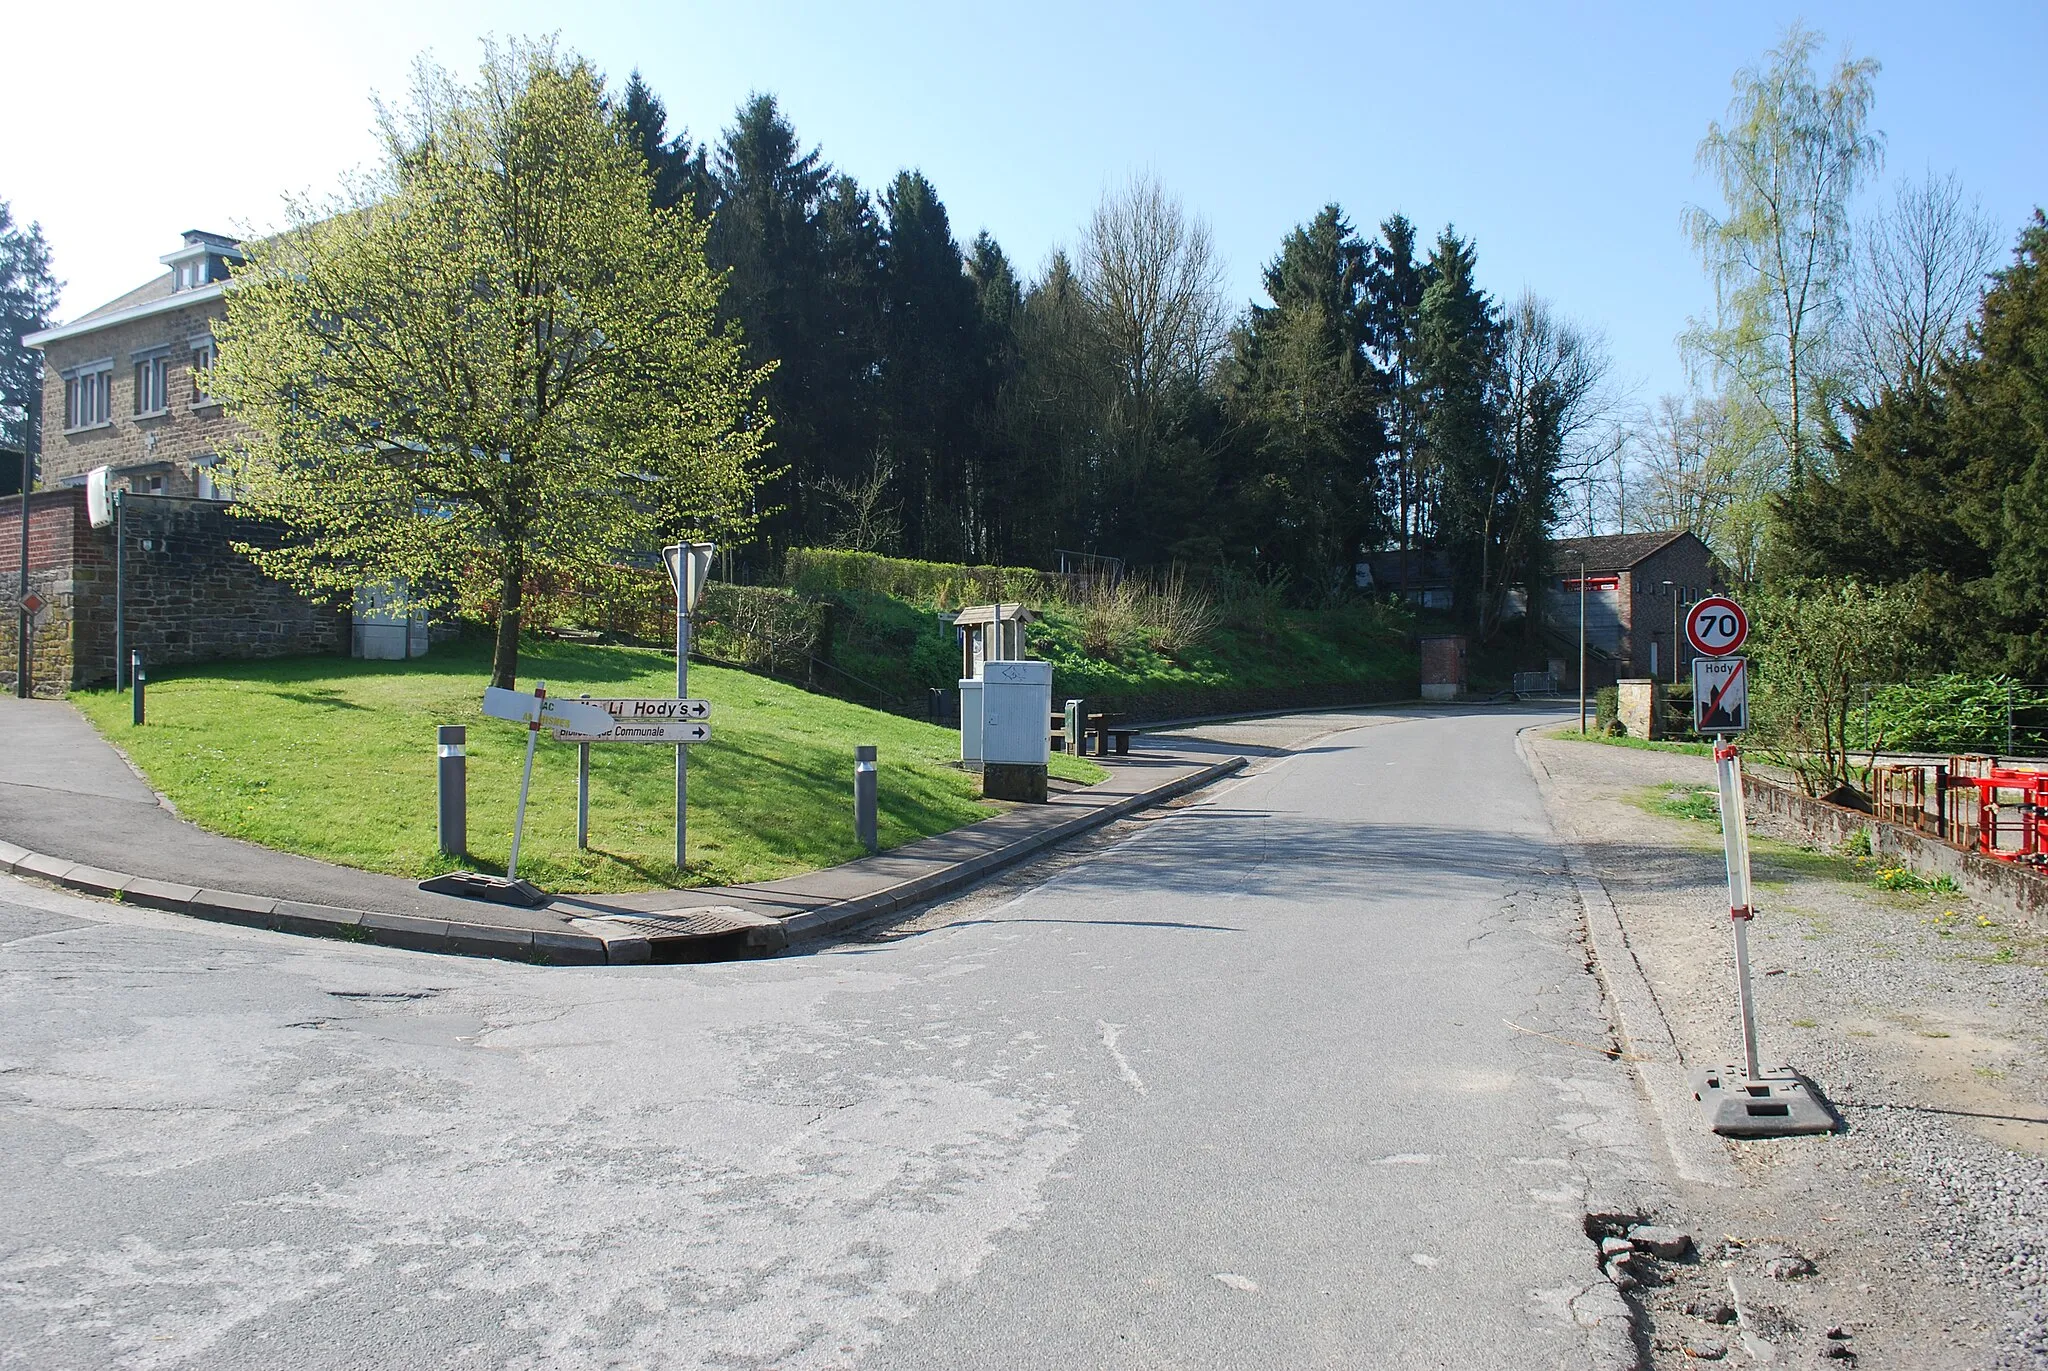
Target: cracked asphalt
(1305,1073)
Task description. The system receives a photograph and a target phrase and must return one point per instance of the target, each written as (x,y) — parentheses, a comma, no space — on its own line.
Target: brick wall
(69,571)
(186,433)
(189,596)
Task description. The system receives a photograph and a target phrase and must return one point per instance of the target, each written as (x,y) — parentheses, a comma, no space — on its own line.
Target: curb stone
(561,948)
(822,923)
(1645,1033)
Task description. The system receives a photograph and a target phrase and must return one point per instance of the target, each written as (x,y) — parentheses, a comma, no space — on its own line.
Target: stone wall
(188,596)
(2014,888)
(1640,706)
(168,444)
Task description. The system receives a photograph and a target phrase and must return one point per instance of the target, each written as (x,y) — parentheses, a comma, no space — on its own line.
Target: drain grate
(672,926)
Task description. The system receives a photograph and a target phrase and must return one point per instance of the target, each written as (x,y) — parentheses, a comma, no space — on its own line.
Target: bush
(1607,712)
(762,628)
(937,585)
(1950,713)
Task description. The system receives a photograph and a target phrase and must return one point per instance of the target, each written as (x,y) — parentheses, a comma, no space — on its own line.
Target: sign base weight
(1777,1104)
(475,885)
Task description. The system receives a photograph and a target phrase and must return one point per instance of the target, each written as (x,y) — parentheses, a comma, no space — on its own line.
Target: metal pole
(864,778)
(582,795)
(1674,631)
(136,678)
(22,687)
(120,595)
(1582,645)
(452,747)
(682,749)
(540,692)
(1735,838)
(2008,719)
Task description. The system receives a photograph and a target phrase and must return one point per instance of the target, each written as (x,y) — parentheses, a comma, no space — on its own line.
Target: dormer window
(192,274)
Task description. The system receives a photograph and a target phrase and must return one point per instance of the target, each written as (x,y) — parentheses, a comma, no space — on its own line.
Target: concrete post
(1077,727)
(452,747)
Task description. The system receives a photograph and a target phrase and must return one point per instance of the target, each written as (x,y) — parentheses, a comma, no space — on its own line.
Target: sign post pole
(1744,1102)
(540,692)
(689,564)
(582,796)
(1735,838)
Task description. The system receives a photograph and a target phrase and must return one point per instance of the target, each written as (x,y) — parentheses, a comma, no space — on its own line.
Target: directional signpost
(689,567)
(1745,1102)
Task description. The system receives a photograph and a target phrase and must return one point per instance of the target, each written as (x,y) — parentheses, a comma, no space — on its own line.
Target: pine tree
(1393,304)
(680,171)
(1306,401)
(28,296)
(1457,347)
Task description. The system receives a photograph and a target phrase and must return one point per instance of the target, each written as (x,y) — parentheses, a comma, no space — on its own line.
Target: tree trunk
(511,600)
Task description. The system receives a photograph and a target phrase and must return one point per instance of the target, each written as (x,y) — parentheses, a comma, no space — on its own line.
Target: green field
(334,758)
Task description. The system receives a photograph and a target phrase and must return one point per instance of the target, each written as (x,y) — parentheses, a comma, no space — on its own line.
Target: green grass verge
(1777,861)
(1571,734)
(333,758)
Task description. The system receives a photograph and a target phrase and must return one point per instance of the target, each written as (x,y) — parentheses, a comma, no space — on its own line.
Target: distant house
(124,385)
(1637,586)
(1420,576)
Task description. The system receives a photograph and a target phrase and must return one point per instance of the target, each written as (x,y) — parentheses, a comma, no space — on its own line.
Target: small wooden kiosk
(990,633)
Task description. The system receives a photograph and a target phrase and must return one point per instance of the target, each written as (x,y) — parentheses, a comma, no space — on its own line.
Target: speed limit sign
(1716,626)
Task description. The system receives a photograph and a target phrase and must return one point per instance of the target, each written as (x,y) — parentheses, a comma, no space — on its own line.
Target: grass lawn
(1570,733)
(334,758)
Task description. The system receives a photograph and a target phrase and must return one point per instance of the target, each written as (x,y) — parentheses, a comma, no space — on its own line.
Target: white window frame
(89,396)
(152,381)
(203,355)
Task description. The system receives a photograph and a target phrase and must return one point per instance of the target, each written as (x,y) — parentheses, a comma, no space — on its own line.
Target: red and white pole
(1735,837)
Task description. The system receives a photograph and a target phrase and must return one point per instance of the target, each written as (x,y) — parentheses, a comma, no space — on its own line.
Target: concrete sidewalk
(75,813)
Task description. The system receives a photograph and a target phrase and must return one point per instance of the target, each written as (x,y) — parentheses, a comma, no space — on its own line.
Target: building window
(202,361)
(89,398)
(153,384)
(194,273)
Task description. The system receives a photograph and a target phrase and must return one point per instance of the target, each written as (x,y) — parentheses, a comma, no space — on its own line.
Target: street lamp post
(1673,587)
(1580,553)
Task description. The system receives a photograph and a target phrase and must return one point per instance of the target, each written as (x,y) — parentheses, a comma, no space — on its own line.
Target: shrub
(1176,615)
(1607,711)
(1950,713)
(937,585)
(762,628)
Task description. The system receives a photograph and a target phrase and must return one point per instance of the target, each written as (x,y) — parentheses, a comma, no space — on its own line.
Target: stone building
(125,388)
(1638,587)
(124,385)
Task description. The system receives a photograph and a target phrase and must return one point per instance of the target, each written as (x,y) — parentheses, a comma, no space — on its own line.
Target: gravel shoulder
(1919,1014)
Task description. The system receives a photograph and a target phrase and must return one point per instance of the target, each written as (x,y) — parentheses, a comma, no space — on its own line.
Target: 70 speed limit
(1716,626)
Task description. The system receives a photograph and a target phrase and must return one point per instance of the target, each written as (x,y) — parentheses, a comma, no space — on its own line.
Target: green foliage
(1787,162)
(1813,644)
(1607,712)
(1956,712)
(499,359)
(762,628)
(1906,879)
(1302,385)
(1694,803)
(938,585)
(28,298)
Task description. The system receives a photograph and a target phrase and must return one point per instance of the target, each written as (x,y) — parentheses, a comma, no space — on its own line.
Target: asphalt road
(1297,1076)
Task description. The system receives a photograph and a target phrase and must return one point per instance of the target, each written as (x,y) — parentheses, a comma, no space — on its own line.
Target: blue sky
(1560,137)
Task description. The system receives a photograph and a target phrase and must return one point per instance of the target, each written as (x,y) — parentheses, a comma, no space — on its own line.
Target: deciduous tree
(495,359)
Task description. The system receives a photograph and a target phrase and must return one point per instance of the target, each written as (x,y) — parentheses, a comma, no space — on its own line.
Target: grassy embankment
(334,759)
(1151,640)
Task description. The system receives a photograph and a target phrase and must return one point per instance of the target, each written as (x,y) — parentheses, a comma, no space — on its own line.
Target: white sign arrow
(641,731)
(522,708)
(649,709)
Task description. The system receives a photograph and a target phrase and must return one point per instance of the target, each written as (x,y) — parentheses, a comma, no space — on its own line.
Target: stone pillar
(1641,706)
